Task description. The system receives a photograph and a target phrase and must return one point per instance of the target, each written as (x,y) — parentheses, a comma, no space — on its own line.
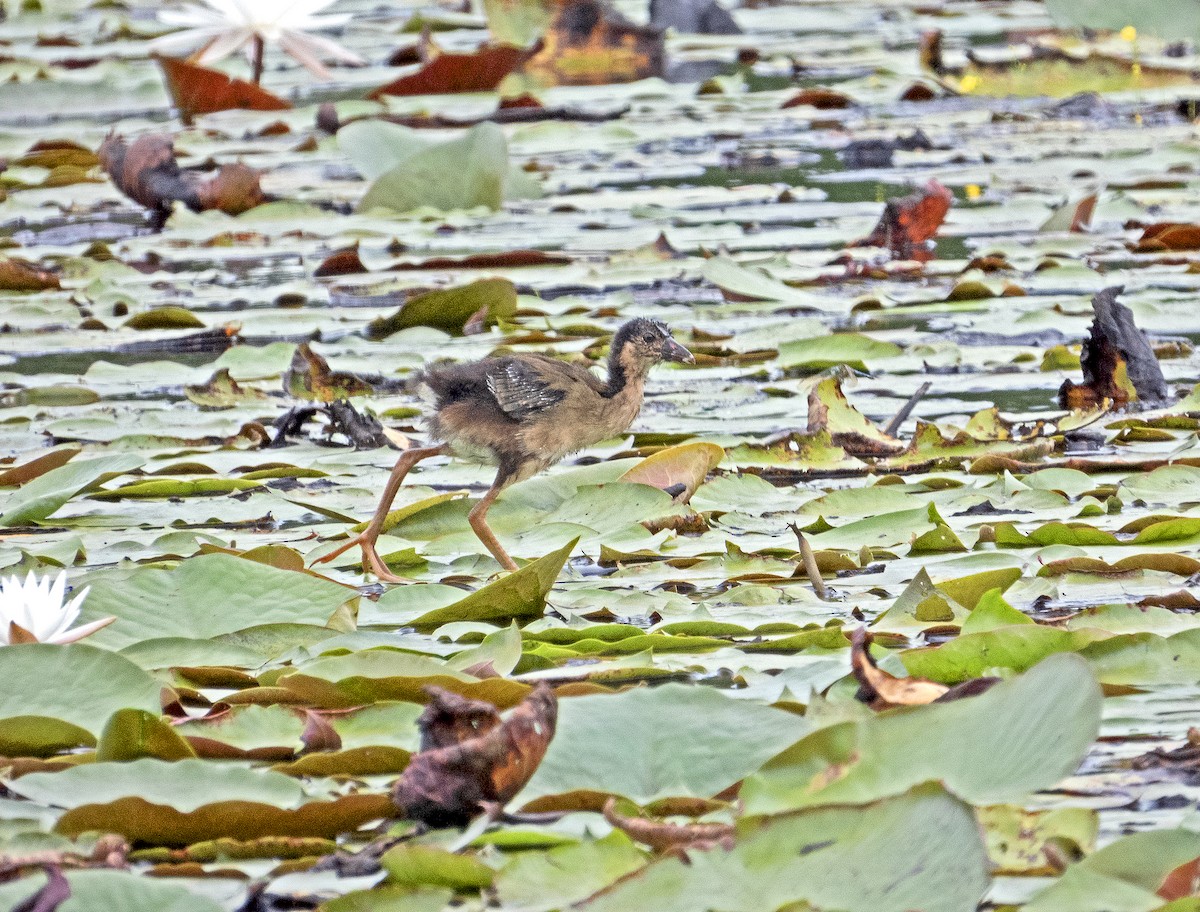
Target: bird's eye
(649,337)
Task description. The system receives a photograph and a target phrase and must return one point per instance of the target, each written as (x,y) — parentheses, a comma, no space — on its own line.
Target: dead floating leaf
(444,74)
(339,263)
(470,759)
(880,690)
(909,222)
(21,275)
(146,171)
(820,98)
(1118,362)
(670,837)
(508,259)
(1168,236)
(918,91)
(829,410)
(589,43)
(1073,215)
(309,377)
(199,90)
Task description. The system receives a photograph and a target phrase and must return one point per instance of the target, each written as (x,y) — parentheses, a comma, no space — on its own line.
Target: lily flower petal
(82,631)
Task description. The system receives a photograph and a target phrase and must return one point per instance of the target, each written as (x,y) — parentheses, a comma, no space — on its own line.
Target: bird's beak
(673,351)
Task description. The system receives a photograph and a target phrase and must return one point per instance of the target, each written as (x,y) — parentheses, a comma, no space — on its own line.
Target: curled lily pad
(190,800)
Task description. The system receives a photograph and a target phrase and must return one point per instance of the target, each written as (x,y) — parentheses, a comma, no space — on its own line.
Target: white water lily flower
(33,611)
(223,27)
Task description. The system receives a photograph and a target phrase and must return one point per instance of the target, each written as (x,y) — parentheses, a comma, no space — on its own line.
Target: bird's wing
(523,388)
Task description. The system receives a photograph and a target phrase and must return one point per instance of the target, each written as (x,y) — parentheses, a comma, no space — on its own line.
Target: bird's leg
(478,520)
(367,537)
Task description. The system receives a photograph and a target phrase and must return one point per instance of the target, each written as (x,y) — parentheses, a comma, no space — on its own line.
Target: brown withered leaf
(39,465)
(199,90)
(341,262)
(309,377)
(820,98)
(507,259)
(829,410)
(1119,365)
(589,43)
(445,74)
(1083,213)
(1182,882)
(147,172)
(21,275)
(670,837)
(1168,236)
(918,91)
(514,102)
(908,222)
(880,690)
(448,784)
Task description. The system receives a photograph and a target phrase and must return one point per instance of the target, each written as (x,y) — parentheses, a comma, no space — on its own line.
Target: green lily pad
(659,756)
(89,684)
(42,497)
(150,602)
(919,851)
(1021,735)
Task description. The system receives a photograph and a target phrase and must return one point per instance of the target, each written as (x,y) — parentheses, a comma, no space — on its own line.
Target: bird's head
(642,343)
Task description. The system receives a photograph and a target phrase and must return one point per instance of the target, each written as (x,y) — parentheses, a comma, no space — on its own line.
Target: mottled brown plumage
(523,413)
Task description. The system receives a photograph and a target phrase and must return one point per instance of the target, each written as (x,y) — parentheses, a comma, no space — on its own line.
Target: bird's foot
(371,558)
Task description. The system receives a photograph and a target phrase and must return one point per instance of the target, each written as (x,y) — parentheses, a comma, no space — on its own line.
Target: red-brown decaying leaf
(520,101)
(505,260)
(21,275)
(199,90)
(918,91)
(1083,213)
(1168,236)
(147,172)
(472,760)
(909,221)
(444,74)
(819,98)
(341,262)
(39,465)
(1181,882)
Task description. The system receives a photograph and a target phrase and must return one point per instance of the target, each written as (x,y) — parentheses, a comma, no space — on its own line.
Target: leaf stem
(257,60)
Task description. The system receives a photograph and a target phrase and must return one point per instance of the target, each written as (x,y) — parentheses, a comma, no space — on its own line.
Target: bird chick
(523,413)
